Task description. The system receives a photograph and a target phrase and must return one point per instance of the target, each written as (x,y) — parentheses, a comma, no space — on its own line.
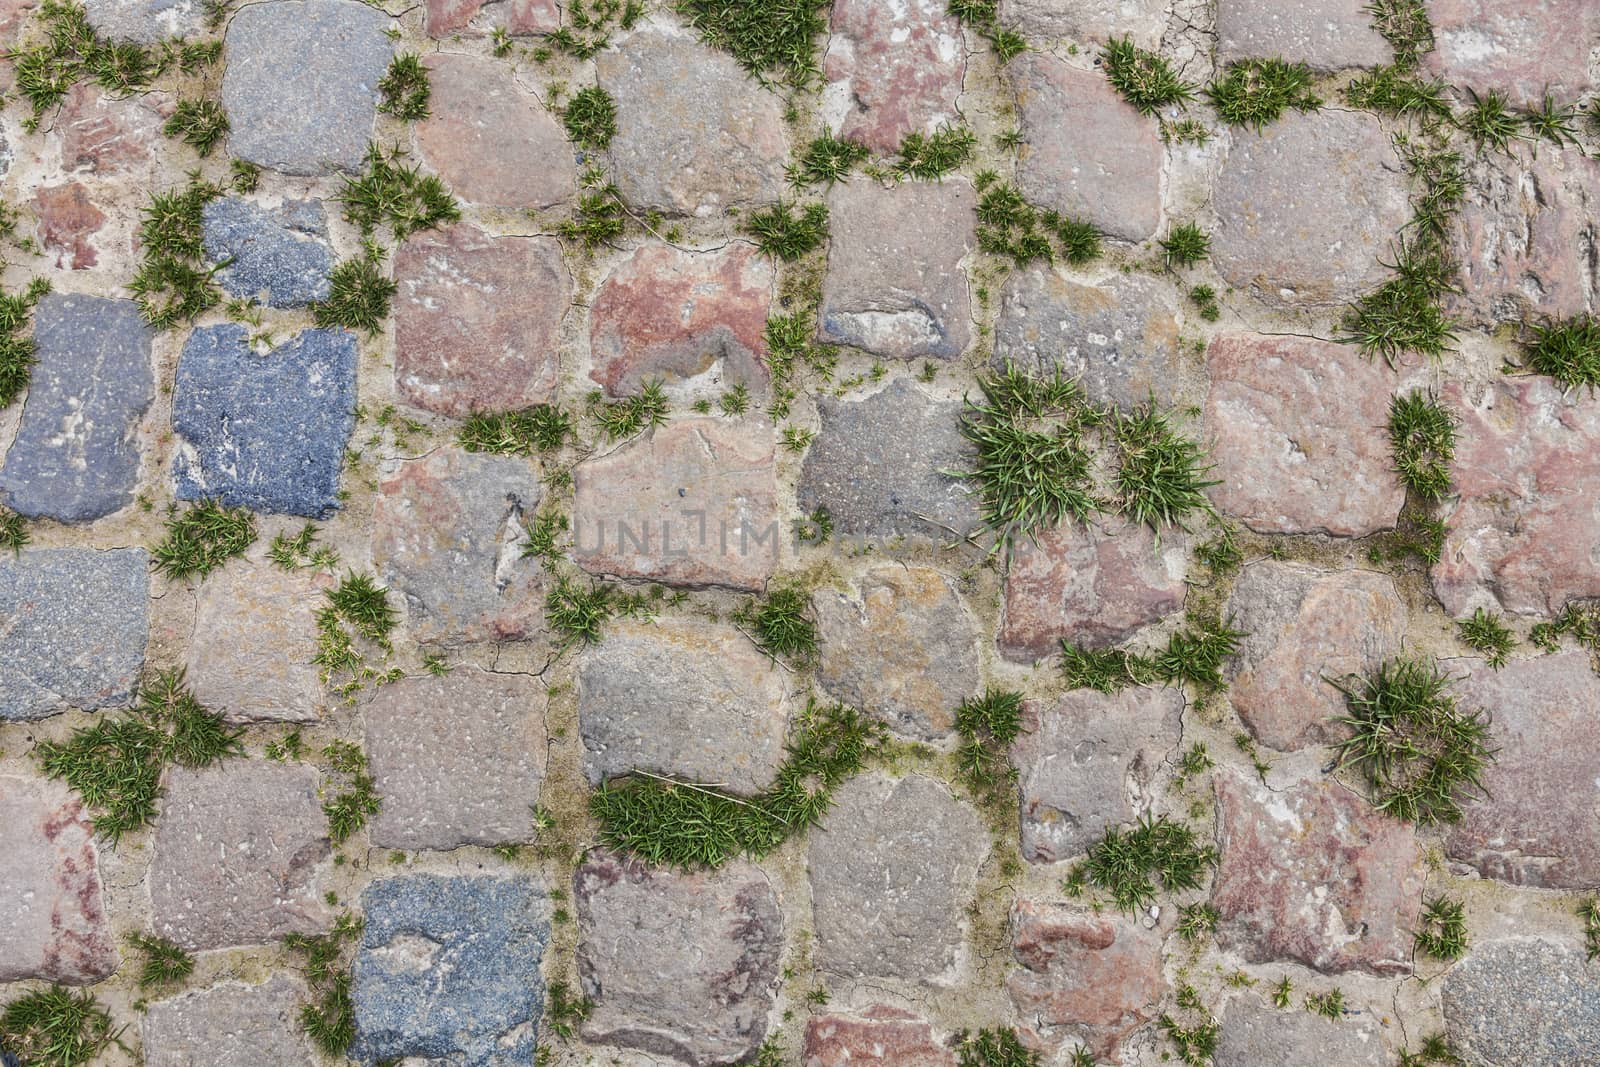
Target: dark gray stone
(892,872)
(301,86)
(76,456)
(73,625)
(1254,1035)
(880,465)
(265,432)
(1120,338)
(278,255)
(448,970)
(1524,1001)
(147,21)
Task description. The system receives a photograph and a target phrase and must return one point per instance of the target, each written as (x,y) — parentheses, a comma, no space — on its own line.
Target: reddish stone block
(67,219)
(106,134)
(692,503)
(478,320)
(54,926)
(1523,528)
(1521,47)
(1536,823)
(1298,440)
(696,320)
(492,142)
(519,18)
(1091,585)
(1313,873)
(1085,977)
(892,69)
(879,1037)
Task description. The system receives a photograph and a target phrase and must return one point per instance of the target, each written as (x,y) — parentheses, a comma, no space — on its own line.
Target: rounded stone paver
(1523,1000)
(1309,207)
(892,70)
(280,256)
(1326,34)
(227,1024)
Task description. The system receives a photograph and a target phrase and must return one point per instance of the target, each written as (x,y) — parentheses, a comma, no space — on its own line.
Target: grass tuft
(359,294)
(1329,1005)
(600,215)
(686,825)
(390,193)
(72,52)
(1489,121)
(198,123)
(1422,437)
(165,962)
(1398,92)
(591,117)
(1254,92)
(987,726)
(771,39)
(296,553)
(578,613)
(984,17)
(1488,634)
(1160,476)
(1417,751)
(1444,929)
(404,88)
(57,1027)
(827,159)
(543,428)
(1185,245)
(357,608)
(115,765)
(780,624)
(203,538)
(16,351)
(1196,1044)
(1156,855)
(1193,655)
(993,1048)
(13,532)
(329,1019)
(347,810)
(1568,351)
(173,283)
(1145,79)
(930,156)
(787,234)
(1553,123)
(630,415)
(1406,26)
(1589,912)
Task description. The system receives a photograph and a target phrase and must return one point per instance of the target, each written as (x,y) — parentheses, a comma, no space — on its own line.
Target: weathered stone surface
(1303,627)
(1091,585)
(892,70)
(696,321)
(898,643)
(879,465)
(76,622)
(679,964)
(492,142)
(893,289)
(76,456)
(148,22)
(1119,338)
(1522,529)
(106,134)
(301,83)
(1084,759)
(228,1024)
(892,871)
(1523,1000)
(236,854)
(1087,20)
(1308,208)
(682,698)
(264,432)
(879,1037)
(1526,237)
(444,18)
(67,219)
(1520,48)
(1327,34)
(477,320)
(1312,873)
(255,634)
(447,537)
(691,145)
(1254,1035)
(1089,154)
(279,256)
(448,970)
(55,925)
(1282,413)
(693,503)
(458,759)
(1085,977)
(1536,824)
